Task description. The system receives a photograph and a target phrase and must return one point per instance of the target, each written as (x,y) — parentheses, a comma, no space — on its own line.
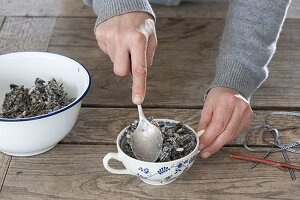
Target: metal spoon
(146,140)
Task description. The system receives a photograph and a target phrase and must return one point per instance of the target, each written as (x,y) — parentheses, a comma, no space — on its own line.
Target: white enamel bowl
(35,135)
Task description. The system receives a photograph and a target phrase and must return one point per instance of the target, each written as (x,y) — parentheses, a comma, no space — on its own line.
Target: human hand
(130,41)
(225,115)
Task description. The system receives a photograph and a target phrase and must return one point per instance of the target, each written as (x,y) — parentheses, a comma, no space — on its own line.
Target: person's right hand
(225,115)
(130,41)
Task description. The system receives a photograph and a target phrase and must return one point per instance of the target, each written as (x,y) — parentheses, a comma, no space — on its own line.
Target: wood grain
(294,9)
(76,8)
(187,50)
(4,164)
(102,125)
(76,172)
(25,34)
(172,65)
(183,68)
(45,8)
(1,21)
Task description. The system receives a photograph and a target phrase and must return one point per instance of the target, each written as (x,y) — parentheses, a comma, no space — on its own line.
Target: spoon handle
(141,114)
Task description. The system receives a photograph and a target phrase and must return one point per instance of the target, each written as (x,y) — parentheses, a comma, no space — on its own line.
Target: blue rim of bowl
(57,111)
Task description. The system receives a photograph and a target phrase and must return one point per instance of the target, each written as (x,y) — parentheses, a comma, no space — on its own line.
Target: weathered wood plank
(76,172)
(74,32)
(25,34)
(1,21)
(171,31)
(45,8)
(4,164)
(294,9)
(70,35)
(76,8)
(186,51)
(102,125)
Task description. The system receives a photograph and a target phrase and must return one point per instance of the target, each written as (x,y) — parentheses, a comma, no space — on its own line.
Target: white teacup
(161,173)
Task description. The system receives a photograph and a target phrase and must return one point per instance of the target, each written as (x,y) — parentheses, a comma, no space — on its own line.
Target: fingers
(111,52)
(130,41)
(205,119)
(102,46)
(142,53)
(228,134)
(239,122)
(220,118)
(152,44)
(120,58)
(206,116)
(121,62)
(226,114)
(139,70)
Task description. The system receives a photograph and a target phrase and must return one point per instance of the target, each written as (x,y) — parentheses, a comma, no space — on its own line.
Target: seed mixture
(178,140)
(41,99)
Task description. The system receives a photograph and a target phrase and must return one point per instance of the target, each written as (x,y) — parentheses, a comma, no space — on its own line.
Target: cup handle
(110,169)
(199,133)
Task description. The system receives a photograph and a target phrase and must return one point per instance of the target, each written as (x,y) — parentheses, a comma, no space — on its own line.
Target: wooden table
(183,67)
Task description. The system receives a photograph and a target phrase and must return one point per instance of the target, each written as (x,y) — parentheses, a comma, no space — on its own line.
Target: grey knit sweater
(248,43)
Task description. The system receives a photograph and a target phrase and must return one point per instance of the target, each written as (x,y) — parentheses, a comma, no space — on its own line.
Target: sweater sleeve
(248,43)
(106,9)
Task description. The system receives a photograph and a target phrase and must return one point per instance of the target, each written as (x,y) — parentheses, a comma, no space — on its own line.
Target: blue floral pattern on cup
(163,170)
(170,173)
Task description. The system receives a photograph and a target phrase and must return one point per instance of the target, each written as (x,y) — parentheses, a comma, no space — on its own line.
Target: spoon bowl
(146,140)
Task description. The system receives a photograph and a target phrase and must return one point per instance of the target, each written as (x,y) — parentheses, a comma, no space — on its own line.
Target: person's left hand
(225,115)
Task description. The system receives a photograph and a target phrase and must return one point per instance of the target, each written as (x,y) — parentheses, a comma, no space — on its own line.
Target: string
(293,147)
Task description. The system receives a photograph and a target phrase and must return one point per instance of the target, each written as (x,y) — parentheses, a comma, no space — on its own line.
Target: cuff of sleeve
(236,75)
(106,9)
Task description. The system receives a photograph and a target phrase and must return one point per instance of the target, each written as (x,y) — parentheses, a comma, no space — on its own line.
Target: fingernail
(201,146)
(137,99)
(205,155)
